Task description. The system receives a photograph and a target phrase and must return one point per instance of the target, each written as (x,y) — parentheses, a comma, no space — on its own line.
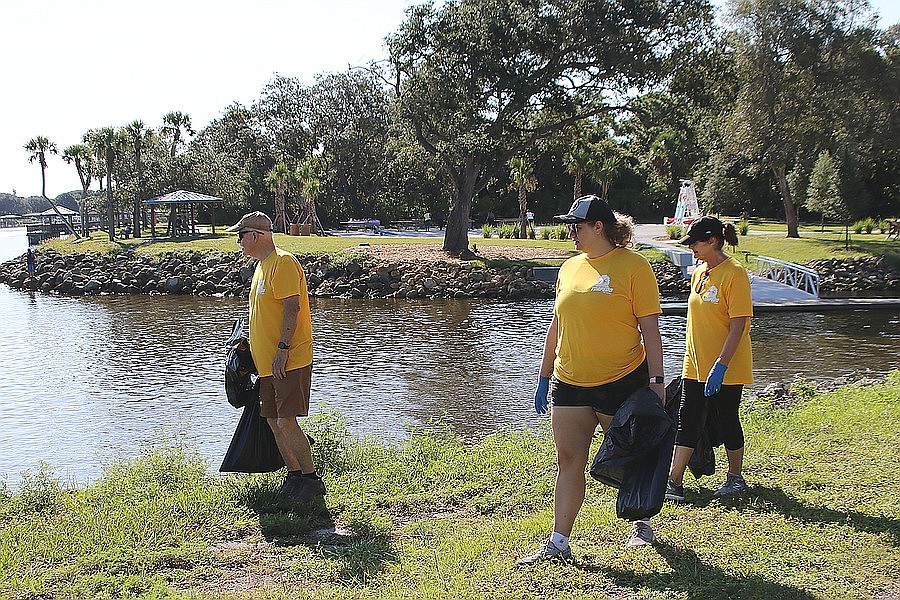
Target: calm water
(88,380)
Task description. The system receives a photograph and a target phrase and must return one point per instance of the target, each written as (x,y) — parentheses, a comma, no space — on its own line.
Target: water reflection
(89,379)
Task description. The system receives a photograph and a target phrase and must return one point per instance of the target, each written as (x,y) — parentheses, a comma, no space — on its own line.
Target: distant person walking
(30,262)
(603,344)
(282,348)
(718,359)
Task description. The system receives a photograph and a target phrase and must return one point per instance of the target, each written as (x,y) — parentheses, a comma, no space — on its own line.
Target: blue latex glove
(540,396)
(714,379)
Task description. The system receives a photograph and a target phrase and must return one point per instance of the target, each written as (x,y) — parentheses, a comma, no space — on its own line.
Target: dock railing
(798,276)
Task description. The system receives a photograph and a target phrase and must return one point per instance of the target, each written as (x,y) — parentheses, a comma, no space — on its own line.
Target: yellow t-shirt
(724,294)
(276,278)
(598,302)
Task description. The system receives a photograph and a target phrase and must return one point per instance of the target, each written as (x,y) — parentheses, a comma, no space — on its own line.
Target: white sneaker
(641,535)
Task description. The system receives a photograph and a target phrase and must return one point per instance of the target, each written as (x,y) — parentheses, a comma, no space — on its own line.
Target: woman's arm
(735,331)
(653,347)
(550,342)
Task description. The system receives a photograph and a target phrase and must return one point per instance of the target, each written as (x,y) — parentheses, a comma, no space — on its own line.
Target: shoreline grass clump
(441,516)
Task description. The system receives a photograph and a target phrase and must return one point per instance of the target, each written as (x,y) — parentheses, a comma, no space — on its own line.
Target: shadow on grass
(699,580)
(360,551)
(775,500)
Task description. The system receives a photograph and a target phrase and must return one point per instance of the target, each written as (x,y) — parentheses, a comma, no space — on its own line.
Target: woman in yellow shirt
(718,359)
(603,344)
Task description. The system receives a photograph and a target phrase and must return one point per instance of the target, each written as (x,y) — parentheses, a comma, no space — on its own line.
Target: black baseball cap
(588,208)
(703,229)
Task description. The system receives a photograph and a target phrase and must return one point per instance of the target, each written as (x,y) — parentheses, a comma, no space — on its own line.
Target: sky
(69,66)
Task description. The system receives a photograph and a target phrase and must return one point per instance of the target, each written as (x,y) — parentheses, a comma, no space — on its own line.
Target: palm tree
(278,178)
(39,147)
(523,180)
(604,173)
(81,155)
(579,161)
(105,142)
(312,189)
(308,176)
(137,134)
(177,125)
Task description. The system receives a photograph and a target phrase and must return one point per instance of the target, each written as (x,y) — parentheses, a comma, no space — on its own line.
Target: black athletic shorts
(604,399)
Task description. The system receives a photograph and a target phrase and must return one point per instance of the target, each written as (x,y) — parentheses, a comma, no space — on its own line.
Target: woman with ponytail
(718,360)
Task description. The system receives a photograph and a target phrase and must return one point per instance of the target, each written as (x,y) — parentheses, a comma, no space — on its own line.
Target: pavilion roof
(183,197)
(52,213)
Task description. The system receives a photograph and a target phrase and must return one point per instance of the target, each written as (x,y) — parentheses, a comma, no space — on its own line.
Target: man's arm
(288,327)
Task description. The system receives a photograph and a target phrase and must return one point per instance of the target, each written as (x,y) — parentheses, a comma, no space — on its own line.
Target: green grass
(225,242)
(812,244)
(442,517)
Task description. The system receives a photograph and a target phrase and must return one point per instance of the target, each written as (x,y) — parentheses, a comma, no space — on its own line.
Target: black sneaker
(674,492)
(302,489)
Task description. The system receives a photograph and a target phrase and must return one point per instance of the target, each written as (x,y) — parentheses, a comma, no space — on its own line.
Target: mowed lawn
(440,516)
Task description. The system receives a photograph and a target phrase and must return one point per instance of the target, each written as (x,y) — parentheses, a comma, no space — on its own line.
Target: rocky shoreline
(340,275)
(364,275)
(863,276)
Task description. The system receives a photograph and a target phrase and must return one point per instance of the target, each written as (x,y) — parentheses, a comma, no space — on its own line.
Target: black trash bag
(240,372)
(635,455)
(253,448)
(703,459)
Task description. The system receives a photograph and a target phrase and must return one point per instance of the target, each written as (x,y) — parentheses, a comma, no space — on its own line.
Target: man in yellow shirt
(281,345)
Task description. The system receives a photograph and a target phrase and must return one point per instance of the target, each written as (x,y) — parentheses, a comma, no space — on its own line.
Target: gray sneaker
(674,492)
(641,535)
(548,551)
(734,484)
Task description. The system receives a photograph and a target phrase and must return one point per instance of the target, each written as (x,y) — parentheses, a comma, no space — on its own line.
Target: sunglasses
(244,232)
(701,281)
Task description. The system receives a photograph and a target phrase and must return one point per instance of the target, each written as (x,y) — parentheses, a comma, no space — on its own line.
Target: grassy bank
(443,517)
(768,239)
(225,242)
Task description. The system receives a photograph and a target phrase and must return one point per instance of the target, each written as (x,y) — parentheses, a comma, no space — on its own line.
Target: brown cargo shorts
(288,397)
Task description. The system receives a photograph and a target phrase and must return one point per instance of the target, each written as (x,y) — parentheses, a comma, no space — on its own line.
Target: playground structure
(686,208)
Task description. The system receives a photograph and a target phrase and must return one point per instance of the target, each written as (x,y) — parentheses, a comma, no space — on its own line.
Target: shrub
(487,231)
(867,225)
(557,232)
(743,227)
(508,231)
(674,232)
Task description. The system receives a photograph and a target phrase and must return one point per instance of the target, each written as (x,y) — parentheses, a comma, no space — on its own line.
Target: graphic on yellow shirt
(711,295)
(602,285)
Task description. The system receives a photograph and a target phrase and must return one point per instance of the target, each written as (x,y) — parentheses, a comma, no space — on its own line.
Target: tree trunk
(280,224)
(84,224)
(790,212)
(456,235)
(577,190)
(136,217)
(110,209)
(523,211)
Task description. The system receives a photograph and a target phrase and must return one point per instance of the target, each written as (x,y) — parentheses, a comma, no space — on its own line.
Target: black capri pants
(695,408)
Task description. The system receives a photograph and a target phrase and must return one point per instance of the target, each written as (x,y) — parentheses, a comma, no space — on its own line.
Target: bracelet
(657,379)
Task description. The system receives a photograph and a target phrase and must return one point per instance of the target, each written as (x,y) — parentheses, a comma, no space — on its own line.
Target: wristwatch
(658,379)
(283,346)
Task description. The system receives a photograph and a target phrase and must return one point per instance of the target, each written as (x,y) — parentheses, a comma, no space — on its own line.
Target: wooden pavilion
(179,223)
